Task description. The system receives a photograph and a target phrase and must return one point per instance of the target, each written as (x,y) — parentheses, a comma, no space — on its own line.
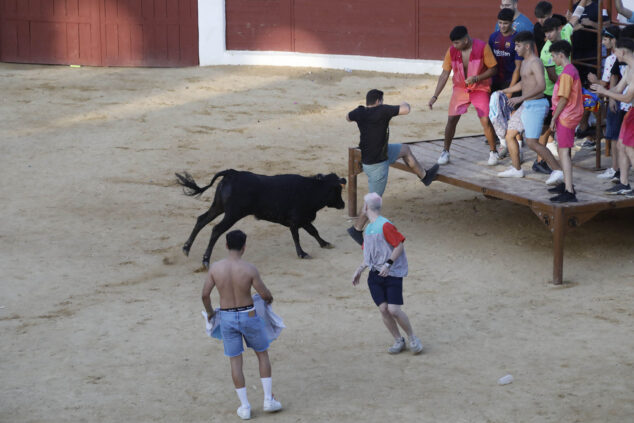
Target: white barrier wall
(212,34)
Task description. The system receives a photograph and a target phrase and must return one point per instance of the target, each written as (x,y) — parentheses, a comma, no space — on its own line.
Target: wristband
(433,96)
(390,262)
(578,11)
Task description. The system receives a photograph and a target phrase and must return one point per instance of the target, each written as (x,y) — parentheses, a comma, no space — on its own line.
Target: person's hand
(431,102)
(612,105)
(592,78)
(597,88)
(211,316)
(553,126)
(471,80)
(515,101)
(508,95)
(586,22)
(385,270)
(357,276)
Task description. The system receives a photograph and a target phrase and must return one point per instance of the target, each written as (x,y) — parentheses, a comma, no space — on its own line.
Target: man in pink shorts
(473,64)
(624,53)
(568,111)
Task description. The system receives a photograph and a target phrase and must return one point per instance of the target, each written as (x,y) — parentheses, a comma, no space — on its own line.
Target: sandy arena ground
(100,311)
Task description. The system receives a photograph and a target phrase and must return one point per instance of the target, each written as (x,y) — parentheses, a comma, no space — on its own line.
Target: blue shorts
(377,172)
(533,116)
(237,324)
(613,122)
(387,289)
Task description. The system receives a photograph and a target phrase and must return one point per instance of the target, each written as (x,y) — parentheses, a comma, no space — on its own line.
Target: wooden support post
(559,231)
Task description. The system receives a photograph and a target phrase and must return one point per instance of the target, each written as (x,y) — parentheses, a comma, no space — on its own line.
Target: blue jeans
(237,324)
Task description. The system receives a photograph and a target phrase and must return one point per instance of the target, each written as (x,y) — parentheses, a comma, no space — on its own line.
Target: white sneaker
(397,347)
(494,158)
(555,177)
(608,174)
(552,146)
(271,405)
(511,172)
(415,346)
(244,412)
(444,157)
(502,151)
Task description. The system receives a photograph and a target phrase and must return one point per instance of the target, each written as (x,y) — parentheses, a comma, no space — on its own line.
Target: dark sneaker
(619,189)
(356,234)
(590,145)
(616,179)
(558,189)
(564,197)
(541,167)
(430,174)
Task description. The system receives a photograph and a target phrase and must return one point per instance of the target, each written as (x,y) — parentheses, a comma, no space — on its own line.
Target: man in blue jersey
(520,21)
(503,47)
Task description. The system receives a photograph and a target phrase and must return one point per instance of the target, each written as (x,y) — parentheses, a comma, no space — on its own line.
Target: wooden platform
(468,169)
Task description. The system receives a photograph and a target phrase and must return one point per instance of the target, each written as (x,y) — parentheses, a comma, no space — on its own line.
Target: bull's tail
(191,188)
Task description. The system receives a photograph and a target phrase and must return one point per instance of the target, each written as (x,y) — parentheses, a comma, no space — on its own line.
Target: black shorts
(387,289)
(549,115)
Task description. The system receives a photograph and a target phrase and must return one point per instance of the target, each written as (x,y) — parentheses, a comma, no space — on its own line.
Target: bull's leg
(202,221)
(222,227)
(295,233)
(313,232)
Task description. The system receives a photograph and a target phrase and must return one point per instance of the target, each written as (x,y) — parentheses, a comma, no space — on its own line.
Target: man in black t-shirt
(377,155)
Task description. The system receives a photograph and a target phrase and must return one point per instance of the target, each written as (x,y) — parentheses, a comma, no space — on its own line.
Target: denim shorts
(613,123)
(377,172)
(234,325)
(387,289)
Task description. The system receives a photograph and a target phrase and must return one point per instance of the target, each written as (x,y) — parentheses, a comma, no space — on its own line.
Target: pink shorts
(565,136)
(627,129)
(461,99)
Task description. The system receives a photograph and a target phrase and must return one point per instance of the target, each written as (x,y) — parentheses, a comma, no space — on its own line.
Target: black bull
(290,200)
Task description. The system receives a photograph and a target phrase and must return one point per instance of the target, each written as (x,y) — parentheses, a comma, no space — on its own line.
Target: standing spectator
(384,254)
(473,64)
(503,47)
(543,11)
(520,21)
(568,110)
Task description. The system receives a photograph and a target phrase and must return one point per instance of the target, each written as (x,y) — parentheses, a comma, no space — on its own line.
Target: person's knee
(394,310)
(383,308)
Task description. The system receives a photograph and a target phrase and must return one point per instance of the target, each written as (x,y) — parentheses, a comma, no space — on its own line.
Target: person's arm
(552,73)
(260,288)
(539,87)
(574,18)
(206,295)
(356,277)
(481,77)
(442,81)
(404,109)
(614,93)
(560,108)
(622,10)
(516,73)
(396,252)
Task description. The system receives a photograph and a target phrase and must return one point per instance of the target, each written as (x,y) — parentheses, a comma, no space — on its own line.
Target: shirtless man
(530,116)
(234,278)
(624,51)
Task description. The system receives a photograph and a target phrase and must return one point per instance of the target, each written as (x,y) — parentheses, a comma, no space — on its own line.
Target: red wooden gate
(100,32)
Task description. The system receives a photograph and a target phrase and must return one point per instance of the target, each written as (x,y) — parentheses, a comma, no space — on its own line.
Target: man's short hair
(236,240)
(373,96)
(543,9)
(612,31)
(551,24)
(506,15)
(525,37)
(627,32)
(458,33)
(373,200)
(561,46)
(626,43)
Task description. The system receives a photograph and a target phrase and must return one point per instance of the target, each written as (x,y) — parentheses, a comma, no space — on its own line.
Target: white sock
(242,394)
(267,386)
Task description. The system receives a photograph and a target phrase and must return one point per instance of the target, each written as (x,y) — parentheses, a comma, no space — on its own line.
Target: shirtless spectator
(625,53)
(530,116)
(234,278)
(473,64)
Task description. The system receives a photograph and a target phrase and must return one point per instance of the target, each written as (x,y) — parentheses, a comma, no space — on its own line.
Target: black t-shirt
(584,43)
(373,123)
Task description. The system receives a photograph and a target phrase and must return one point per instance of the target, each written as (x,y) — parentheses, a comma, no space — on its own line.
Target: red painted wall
(411,29)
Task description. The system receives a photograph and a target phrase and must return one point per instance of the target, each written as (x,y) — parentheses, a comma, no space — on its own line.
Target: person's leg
(566,165)
(614,149)
(264,363)
(236,371)
(398,315)
(450,130)
(406,154)
(626,160)
(489,132)
(513,147)
(543,152)
(265,377)
(388,321)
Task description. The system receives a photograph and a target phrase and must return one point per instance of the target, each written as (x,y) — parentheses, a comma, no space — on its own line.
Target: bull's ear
(342,181)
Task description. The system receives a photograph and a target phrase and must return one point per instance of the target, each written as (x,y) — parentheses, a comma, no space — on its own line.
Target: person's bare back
(234,277)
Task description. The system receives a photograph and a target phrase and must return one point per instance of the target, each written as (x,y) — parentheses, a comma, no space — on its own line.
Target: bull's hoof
(328,246)
(206,263)
(186,250)
(305,256)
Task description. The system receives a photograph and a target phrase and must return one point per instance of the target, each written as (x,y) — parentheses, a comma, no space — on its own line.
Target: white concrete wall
(212,43)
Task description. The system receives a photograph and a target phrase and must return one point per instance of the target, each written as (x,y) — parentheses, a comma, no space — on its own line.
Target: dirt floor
(100,310)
